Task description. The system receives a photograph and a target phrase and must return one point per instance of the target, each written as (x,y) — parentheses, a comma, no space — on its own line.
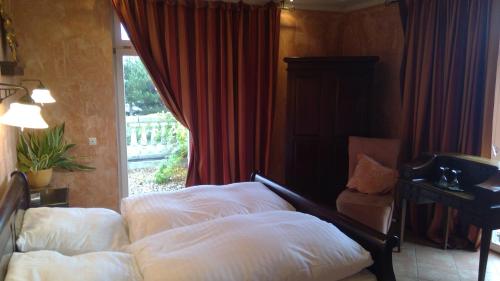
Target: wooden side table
(49,197)
(478,213)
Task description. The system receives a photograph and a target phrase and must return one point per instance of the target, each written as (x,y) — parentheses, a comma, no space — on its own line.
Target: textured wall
(68,45)
(372,31)
(378,31)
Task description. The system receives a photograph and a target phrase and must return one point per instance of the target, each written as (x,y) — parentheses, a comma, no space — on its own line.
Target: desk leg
(404,202)
(446,226)
(485,250)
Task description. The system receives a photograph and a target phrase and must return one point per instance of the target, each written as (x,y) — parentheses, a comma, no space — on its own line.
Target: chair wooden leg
(446,227)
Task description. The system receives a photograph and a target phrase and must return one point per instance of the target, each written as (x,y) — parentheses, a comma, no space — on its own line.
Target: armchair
(373,210)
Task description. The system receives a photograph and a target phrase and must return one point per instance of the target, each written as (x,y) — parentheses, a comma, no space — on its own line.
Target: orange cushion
(371,177)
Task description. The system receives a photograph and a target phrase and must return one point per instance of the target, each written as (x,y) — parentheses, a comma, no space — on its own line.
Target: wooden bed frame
(379,245)
(15,200)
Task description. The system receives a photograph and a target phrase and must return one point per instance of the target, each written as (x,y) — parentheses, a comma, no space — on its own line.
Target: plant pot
(40,178)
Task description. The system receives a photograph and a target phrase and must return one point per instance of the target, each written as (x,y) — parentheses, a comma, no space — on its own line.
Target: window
(153,144)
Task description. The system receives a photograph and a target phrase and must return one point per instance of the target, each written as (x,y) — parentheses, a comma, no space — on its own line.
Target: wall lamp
(40,94)
(24,113)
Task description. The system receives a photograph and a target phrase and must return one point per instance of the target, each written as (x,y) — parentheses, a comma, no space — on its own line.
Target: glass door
(156,142)
(153,144)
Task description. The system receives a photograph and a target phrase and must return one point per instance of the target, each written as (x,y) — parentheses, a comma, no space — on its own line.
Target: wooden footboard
(378,244)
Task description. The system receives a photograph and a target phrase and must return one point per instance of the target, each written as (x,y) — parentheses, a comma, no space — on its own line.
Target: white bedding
(53,266)
(151,213)
(72,231)
(364,275)
(277,245)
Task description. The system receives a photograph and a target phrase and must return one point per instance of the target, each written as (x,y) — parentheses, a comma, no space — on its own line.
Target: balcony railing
(147,137)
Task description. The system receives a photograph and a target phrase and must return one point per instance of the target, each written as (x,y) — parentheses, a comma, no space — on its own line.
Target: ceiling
(324,5)
(335,5)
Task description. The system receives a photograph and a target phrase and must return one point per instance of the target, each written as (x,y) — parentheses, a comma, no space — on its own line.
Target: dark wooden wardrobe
(328,101)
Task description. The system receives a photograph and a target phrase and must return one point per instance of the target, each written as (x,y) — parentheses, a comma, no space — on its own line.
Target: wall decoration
(8,43)
(8,36)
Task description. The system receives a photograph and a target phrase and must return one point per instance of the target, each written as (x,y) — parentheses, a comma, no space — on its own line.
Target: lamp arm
(33,80)
(7,90)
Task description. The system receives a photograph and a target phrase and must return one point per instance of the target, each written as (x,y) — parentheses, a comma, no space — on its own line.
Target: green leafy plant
(140,90)
(174,169)
(175,166)
(46,149)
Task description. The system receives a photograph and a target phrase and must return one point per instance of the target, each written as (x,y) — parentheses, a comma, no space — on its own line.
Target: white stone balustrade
(144,140)
(148,137)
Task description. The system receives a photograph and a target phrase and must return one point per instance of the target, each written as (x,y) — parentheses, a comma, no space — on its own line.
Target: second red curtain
(215,66)
(444,80)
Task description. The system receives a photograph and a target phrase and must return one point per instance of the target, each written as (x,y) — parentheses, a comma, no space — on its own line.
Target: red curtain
(444,72)
(215,67)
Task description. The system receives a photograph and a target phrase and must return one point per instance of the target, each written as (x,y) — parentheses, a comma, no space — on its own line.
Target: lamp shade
(42,95)
(24,116)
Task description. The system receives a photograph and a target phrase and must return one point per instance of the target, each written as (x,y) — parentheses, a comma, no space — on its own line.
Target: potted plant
(39,152)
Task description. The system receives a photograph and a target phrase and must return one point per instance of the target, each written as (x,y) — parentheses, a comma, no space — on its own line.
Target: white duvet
(151,213)
(277,245)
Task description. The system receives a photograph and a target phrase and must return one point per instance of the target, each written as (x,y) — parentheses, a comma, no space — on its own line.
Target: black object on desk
(49,197)
(479,202)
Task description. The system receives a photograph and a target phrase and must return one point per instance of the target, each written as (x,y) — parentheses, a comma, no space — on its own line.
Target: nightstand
(49,197)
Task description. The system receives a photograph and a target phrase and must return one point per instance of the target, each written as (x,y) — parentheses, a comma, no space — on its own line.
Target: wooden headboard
(15,200)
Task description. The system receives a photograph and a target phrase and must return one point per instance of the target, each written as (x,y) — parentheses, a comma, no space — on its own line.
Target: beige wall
(68,45)
(373,31)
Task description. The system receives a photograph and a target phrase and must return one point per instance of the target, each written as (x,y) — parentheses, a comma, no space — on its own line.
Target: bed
(15,201)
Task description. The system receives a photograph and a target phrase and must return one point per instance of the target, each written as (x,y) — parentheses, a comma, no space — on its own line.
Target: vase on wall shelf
(39,179)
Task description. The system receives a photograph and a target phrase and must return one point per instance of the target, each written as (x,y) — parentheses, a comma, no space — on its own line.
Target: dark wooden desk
(421,191)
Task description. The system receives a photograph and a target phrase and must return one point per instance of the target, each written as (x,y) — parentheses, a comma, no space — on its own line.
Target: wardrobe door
(310,126)
(351,119)
(327,101)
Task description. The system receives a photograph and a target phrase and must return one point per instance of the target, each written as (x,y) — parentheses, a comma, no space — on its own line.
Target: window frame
(118,42)
(121,48)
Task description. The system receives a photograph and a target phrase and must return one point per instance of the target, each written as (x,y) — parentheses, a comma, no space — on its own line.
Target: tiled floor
(424,263)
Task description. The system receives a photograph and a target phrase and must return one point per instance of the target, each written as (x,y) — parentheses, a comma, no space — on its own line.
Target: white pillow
(277,245)
(53,266)
(151,213)
(72,231)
